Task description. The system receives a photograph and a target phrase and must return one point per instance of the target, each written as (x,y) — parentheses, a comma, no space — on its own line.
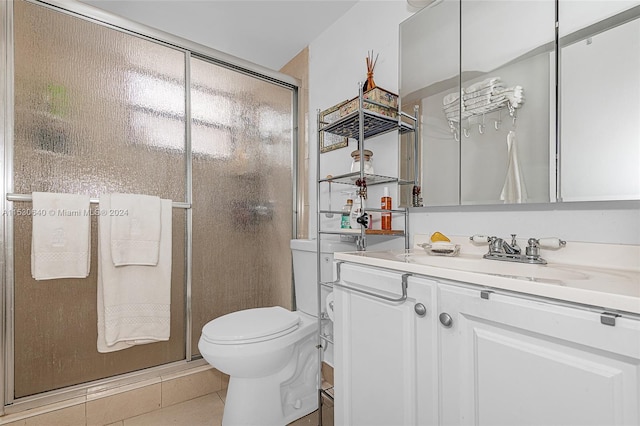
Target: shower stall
(95,104)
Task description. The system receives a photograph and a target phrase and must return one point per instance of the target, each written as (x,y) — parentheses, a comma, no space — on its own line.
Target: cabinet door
(511,361)
(385,370)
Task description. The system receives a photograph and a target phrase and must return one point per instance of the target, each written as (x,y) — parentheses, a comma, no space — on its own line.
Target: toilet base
(259,404)
(278,399)
(250,401)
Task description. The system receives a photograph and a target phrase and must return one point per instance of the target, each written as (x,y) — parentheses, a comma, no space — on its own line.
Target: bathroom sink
(594,274)
(477,264)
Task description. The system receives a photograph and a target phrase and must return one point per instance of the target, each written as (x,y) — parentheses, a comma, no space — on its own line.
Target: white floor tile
(203,411)
(207,411)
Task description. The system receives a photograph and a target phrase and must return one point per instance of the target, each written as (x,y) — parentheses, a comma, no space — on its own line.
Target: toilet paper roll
(329,305)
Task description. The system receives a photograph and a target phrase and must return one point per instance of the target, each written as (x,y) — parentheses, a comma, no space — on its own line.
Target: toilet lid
(250,325)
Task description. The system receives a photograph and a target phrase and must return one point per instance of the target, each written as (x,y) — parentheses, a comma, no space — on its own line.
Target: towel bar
(402,298)
(27,198)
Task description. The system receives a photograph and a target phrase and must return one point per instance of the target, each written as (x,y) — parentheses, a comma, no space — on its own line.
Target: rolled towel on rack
(452,107)
(483,108)
(481,98)
(516,91)
(477,101)
(486,91)
(515,96)
(455,108)
(451,98)
(485,87)
(489,82)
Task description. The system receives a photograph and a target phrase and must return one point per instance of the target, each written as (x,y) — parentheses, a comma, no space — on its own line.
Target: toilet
(270,353)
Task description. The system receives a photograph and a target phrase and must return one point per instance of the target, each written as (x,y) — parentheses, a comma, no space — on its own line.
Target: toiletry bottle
(416,199)
(345,222)
(356,212)
(385,204)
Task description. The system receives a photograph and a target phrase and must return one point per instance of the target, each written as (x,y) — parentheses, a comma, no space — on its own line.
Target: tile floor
(207,411)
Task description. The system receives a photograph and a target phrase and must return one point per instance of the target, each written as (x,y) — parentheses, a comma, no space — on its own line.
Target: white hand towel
(470,103)
(451,98)
(135,229)
(514,189)
(489,82)
(61,236)
(134,301)
(486,91)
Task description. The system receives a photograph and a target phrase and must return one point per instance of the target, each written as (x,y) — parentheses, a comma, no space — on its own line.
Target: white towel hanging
(134,300)
(61,236)
(135,229)
(514,189)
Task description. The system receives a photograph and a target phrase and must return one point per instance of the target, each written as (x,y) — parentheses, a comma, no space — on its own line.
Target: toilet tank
(305,267)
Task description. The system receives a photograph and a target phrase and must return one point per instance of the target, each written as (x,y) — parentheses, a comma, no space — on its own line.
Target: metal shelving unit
(352,178)
(360,125)
(374,124)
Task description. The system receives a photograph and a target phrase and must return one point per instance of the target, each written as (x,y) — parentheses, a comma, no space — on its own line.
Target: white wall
(337,63)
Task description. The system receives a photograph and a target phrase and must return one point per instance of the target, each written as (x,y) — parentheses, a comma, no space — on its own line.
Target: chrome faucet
(500,246)
(513,248)
(499,249)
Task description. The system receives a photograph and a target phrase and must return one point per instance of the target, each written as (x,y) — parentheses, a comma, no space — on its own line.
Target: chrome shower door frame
(7,282)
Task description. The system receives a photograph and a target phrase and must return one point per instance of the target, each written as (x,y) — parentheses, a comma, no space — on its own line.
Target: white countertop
(599,275)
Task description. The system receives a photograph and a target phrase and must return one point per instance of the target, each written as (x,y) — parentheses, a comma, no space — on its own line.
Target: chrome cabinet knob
(446,320)
(420,309)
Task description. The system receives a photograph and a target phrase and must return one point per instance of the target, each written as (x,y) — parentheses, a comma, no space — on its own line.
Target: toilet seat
(250,326)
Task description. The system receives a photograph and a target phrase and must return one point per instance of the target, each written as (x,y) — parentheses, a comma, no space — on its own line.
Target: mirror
(508,58)
(429,69)
(495,49)
(599,100)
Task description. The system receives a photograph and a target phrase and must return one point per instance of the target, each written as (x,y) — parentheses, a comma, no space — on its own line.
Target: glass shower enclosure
(94,108)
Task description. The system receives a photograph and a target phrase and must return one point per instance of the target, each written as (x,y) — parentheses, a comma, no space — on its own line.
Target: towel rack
(28,198)
(402,298)
(478,100)
(455,127)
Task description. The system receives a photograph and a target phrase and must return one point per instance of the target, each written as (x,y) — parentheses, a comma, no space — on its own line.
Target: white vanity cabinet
(476,356)
(385,352)
(507,360)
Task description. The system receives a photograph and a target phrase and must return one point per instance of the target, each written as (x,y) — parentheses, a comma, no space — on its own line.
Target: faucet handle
(480,239)
(514,245)
(551,243)
(533,249)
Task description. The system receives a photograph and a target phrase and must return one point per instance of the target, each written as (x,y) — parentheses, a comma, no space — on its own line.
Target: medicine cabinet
(573,134)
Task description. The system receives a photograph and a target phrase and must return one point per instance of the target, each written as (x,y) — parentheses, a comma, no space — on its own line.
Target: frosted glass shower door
(96,111)
(242,138)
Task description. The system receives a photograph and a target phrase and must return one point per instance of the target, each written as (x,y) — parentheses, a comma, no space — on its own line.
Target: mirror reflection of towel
(514,189)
